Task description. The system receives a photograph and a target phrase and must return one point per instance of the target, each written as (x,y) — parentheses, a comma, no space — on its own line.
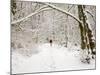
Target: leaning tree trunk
(82,26)
(86,32)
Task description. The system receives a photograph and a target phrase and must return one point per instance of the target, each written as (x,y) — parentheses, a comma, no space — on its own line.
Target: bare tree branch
(70,8)
(63,11)
(91,15)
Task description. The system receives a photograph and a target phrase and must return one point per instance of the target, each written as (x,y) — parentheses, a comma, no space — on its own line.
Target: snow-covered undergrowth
(49,58)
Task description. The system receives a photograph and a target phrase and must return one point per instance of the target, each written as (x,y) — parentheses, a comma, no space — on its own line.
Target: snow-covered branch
(40,10)
(91,15)
(70,8)
(37,11)
(63,11)
(29,30)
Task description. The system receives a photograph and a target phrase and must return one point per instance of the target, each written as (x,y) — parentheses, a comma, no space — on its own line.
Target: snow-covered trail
(50,58)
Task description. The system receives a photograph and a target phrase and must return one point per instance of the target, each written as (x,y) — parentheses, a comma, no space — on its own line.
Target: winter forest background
(72,29)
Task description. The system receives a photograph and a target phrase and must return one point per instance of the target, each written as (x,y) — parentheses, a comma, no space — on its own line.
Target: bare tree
(86,31)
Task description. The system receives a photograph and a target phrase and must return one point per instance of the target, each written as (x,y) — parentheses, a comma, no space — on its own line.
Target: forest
(52,36)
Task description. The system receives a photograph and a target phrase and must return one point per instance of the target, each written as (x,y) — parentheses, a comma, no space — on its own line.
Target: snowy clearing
(49,58)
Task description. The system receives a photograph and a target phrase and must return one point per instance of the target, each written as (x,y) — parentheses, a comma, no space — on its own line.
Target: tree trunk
(86,31)
(82,26)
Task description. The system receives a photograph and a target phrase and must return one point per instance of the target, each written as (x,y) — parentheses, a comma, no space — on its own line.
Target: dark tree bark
(82,26)
(86,32)
(13,6)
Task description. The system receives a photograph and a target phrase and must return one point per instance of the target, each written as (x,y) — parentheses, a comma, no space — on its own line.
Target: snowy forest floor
(49,58)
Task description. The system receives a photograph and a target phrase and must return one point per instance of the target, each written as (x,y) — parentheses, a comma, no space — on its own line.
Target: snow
(59,9)
(49,58)
(14,22)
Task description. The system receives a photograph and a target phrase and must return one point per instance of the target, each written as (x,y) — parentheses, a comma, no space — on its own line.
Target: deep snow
(49,58)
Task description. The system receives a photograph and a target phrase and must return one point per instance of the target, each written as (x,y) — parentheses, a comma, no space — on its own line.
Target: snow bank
(50,58)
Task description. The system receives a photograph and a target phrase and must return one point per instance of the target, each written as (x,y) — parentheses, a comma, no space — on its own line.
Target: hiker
(50,42)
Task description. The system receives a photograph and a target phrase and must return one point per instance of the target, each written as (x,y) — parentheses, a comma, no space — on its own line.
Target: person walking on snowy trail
(50,42)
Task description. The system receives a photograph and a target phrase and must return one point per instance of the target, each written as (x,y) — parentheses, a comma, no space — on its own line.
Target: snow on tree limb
(37,11)
(91,15)
(63,11)
(29,30)
(89,25)
(70,8)
(40,10)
